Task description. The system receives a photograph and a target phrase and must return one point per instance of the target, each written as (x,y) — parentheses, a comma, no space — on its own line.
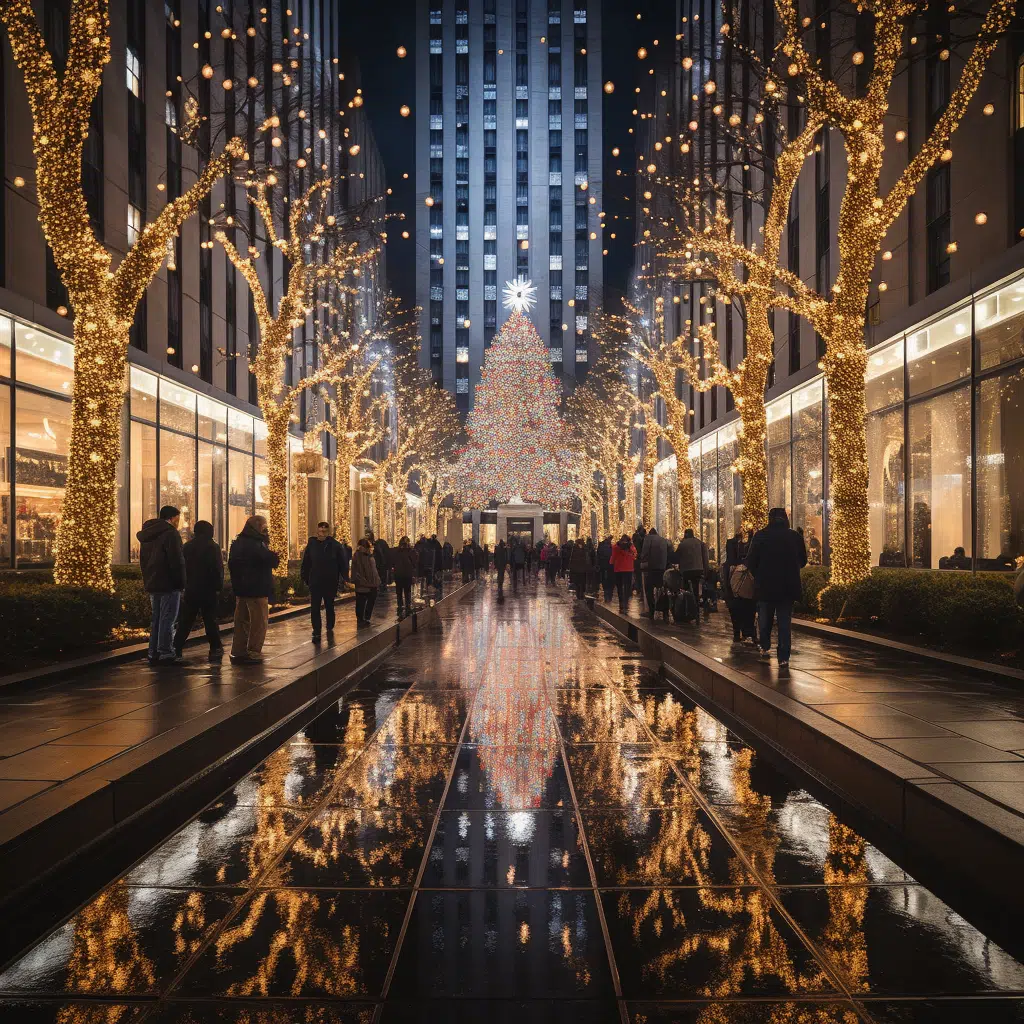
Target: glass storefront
(945,441)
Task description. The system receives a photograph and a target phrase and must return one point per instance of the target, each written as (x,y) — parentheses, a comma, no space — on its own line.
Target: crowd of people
(759,578)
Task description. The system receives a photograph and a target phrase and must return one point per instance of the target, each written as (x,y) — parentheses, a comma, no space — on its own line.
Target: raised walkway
(933,750)
(82,757)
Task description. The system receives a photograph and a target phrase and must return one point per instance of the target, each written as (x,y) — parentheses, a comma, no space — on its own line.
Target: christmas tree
(518,445)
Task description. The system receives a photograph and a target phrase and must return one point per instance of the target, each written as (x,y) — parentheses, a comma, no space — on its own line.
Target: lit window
(462,17)
(462,295)
(170,112)
(556,354)
(581,120)
(581,92)
(462,386)
(490,291)
(490,259)
(436,122)
(581,355)
(436,293)
(581,292)
(555,92)
(581,323)
(134,224)
(522,122)
(579,17)
(522,231)
(490,235)
(435,45)
(435,17)
(555,178)
(134,69)
(555,263)
(462,354)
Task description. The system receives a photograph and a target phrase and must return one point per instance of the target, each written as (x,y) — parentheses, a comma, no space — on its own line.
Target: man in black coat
(322,563)
(639,535)
(204,580)
(163,574)
(501,564)
(425,556)
(251,564)
(776,556)
(382,556)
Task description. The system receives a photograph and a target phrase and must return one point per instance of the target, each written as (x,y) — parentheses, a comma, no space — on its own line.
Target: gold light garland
(104,300)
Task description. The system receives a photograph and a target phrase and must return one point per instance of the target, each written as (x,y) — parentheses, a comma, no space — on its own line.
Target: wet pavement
(516,818)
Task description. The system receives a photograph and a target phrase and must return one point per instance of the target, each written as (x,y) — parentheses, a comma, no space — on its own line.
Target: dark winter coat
(204,569)
(692,555)
(776,556)
(500,556)
(447,556)
(365,577)
(579,558)
(467,559)
(404,562)
(252,564)
(321,564)
(346,559)
(382,556)
(735,554)
(604,554)
(517,555)
(654,553)
(425,557)
(161,557)
(638,537)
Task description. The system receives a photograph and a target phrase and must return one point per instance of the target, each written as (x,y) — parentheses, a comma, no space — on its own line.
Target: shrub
(36,617)
(975,610)
(812,580)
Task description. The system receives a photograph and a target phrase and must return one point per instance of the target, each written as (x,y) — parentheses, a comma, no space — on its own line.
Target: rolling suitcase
(685,607)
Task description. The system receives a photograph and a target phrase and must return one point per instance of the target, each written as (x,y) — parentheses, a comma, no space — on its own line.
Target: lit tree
(518,445)
(104,299)
(321,249)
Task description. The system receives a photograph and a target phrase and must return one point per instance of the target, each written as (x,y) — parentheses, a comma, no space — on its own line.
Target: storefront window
(262,488)
(142,394)
(886,488)
(728,511)
(240,491)
(213,489)
(940,481)
(177,407)
(999,325)
(43,359)
(178,477)
(1000,444)
(884,383)
(5,474)
(239,430)
(142,481)
(212,420)
(709,491)
(42,430)
(939,353)
(780,491)
(807,476)
(259,429)
(695,471)
(5,347)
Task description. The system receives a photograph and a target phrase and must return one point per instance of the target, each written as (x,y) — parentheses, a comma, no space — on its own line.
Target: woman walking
(366,580)
(623,561)
(403,565)
(738,588)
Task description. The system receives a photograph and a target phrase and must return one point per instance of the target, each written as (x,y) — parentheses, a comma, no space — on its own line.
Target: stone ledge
(957,830)
(44,833)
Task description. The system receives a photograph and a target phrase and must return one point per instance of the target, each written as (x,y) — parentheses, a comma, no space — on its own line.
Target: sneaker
(783,664)
(175,659)
(243,659)
(765,655)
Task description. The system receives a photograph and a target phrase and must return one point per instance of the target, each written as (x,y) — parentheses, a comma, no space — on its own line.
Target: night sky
(377,30)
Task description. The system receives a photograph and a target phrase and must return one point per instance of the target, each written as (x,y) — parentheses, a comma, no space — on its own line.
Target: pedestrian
(623,560)
(487,560)
(447,557)
(163,574)
(251,564)
(467,562)
(530,555)
(321,572)
(346,561)
(776,556)
(517,559)
(639,535)
(500,564)
(404,565)
(692,559)
(604,567)
(738,588)
(579,566)
(204,580)
(565,554)
(480,560)
(366,579)
(424,564)
(438,580)
(654,562)
(382,556)
(537,549)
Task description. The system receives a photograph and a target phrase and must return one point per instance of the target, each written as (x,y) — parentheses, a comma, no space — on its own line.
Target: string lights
(104,299)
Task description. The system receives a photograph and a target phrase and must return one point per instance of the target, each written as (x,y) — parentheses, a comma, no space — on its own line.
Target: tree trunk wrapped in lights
(104,300)
(306,230)
(715,252)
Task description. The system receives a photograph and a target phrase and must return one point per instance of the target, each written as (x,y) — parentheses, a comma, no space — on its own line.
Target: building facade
(508,177)
(192,432)
(945,329)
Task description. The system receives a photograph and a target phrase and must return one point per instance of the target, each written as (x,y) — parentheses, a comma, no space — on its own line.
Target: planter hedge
(955,609)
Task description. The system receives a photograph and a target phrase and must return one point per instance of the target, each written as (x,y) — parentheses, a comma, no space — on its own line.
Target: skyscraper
(508,177)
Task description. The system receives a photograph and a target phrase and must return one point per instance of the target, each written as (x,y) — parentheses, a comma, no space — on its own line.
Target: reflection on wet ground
(516,818)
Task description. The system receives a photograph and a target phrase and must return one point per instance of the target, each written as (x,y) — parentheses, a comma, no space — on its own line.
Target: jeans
(403,588)
(653,578)
(364,605)
(741,609)
(782,611)
(190,611)
(251,617)
(161,626)
(608,579)
(624,585)
(316,596)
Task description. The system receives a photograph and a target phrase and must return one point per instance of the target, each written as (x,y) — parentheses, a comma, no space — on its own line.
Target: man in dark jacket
(346,560)
(467,562)
(654,562)
(321,570)
(517,561)
(382,556)
(251,564)
(776,556)
(639,535)
(604,567)
(425,556)
(163,573)
(447,556)
(204,580)
(579,566)
(501,564)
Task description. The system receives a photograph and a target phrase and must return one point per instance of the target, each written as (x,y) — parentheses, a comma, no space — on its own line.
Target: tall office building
(508,177)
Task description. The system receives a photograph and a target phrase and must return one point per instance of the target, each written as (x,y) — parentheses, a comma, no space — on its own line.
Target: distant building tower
(508,177)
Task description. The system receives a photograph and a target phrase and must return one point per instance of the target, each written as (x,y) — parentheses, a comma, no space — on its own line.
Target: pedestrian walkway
(516,819)
(961,727)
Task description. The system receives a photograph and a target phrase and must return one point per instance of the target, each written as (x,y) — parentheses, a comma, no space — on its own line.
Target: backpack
(685,607)
(741,582)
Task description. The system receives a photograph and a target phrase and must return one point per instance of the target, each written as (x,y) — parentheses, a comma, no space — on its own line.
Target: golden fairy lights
(104,299)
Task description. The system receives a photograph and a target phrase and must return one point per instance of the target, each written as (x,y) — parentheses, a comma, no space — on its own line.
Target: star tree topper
(520,295)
